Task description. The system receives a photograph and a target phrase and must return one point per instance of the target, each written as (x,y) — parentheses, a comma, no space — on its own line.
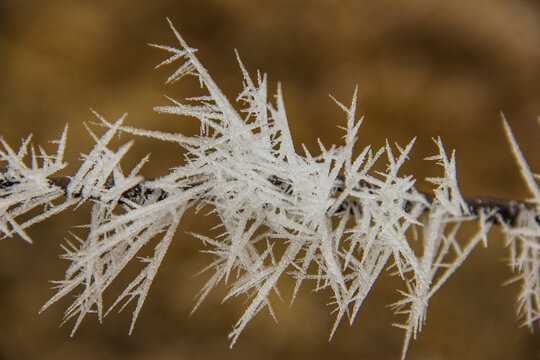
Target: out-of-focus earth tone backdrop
(423,68)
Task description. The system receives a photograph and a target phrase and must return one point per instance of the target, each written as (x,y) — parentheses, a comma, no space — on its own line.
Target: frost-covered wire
(336,222)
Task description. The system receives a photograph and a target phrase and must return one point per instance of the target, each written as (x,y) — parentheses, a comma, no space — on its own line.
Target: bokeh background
(423,68)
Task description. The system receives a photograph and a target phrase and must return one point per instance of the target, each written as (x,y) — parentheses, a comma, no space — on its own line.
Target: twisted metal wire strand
(500,210)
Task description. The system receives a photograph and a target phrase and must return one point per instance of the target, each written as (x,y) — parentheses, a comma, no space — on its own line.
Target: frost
(23,187)
(327,220)
(336,222)
(523,241)
(117,231)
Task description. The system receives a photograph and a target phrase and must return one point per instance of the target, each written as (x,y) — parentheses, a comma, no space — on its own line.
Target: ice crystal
(23,188)
(523,240)
(328,220)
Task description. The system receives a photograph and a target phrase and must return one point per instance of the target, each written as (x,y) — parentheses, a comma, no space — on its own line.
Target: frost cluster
(328,220)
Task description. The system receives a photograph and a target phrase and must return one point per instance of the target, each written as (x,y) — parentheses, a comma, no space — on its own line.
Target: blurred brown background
(423,68)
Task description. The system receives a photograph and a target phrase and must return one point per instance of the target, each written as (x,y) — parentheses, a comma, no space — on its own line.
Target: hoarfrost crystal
(336,222)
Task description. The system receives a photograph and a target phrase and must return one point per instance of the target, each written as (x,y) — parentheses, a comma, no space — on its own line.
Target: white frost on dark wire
(326,219)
